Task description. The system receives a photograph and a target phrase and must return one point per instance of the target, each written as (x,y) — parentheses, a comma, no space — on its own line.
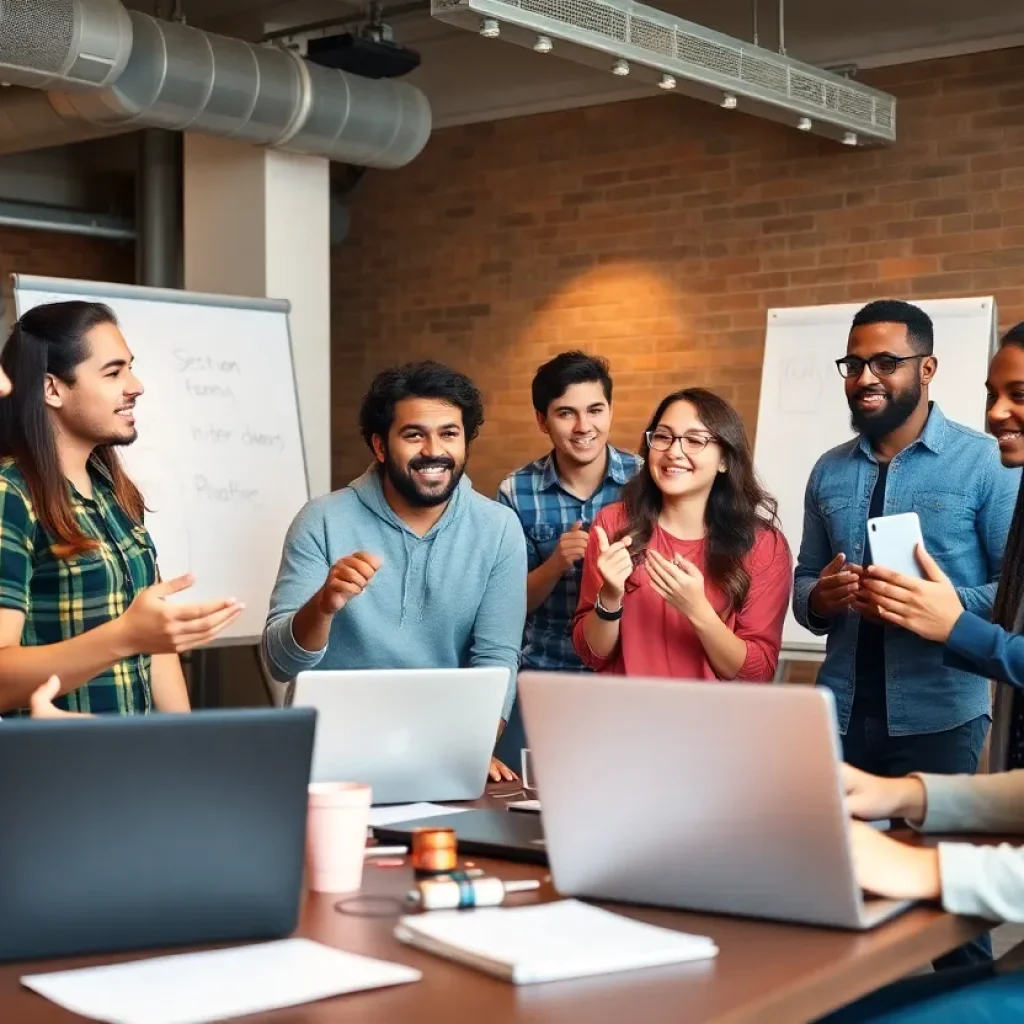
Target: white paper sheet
(196,988)
(550,941)
(409,812)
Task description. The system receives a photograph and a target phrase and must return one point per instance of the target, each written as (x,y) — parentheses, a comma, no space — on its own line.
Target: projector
(361,55)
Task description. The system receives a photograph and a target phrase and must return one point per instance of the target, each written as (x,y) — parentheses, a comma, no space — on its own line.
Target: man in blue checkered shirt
(556,499)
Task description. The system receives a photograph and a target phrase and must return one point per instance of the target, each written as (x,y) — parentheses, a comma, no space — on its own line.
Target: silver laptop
(719,797)
(412,734)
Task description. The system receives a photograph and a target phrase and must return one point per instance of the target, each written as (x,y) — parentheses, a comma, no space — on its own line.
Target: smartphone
(893,541)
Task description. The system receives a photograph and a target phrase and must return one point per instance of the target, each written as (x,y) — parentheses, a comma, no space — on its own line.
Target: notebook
(550,941)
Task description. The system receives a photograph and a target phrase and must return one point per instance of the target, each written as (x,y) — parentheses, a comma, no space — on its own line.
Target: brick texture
(53,254)
(658,232)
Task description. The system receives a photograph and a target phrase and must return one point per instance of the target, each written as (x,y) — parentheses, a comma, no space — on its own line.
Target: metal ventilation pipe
(63,42)
(181,78)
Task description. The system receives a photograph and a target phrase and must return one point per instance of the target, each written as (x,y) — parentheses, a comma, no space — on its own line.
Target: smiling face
(880,404)
(98,408)
(424,455)
(689,467)
(1005,386)
(578,423)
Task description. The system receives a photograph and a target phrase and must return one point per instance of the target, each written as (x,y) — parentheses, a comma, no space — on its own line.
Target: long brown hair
(51,339)
(738,506)
(1010,592)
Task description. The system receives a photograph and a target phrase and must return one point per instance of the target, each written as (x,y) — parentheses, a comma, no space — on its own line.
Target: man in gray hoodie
(407,566)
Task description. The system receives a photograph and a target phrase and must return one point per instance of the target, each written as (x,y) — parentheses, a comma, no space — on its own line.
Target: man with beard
(407,566)
(80,596)
(556,499)
(901,708)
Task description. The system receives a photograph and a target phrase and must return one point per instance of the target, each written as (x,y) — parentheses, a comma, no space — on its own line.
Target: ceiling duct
(182,78)
(650,46)
(63,42)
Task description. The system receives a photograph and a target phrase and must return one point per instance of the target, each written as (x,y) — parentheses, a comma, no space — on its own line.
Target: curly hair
(426,379)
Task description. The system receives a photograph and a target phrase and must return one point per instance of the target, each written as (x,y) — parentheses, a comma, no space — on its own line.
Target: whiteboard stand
(796,654)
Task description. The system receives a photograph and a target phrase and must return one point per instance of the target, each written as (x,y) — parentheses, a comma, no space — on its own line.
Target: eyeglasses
(689,444)
(883,365)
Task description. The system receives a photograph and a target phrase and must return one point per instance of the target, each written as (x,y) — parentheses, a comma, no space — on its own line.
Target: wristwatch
(606,613)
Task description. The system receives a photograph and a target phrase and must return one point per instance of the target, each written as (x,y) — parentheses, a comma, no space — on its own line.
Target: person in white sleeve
(976,881)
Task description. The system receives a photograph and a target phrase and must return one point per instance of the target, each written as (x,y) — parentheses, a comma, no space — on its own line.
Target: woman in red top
(688,576)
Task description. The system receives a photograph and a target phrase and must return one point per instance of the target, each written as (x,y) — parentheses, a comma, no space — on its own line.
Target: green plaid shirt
(63,598)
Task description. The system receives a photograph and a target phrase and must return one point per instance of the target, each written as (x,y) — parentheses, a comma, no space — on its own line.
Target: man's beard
(896,410)
(402,480)
(121,440)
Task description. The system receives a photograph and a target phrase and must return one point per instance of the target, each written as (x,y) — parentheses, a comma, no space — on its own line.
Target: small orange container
(434,851)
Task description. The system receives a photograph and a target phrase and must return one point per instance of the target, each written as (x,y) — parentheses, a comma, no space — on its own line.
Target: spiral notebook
(550,941)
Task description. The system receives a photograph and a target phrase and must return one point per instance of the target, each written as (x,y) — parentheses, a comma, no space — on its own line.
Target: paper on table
(550,941)
(194,988)
(409,812)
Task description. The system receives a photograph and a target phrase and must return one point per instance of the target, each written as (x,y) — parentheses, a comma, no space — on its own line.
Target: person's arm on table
(983,881)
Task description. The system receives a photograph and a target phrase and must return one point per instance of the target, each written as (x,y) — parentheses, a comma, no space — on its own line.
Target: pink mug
(339,815)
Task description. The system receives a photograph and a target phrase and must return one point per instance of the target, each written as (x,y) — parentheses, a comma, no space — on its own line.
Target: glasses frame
(899,360)
(704,439)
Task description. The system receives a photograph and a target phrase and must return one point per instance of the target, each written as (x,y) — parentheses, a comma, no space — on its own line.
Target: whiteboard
(219,456)
(803,410)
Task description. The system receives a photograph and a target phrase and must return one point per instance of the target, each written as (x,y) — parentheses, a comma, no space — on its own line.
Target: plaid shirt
(546,510)
(63,598)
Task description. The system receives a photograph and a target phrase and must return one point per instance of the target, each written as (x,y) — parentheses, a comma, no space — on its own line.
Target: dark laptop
(158,830)
(498,834)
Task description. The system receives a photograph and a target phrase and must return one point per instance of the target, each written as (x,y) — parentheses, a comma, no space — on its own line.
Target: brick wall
(658,232)
(53,254)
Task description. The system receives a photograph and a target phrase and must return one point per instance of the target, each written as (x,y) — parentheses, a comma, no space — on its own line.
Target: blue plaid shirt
(546,510)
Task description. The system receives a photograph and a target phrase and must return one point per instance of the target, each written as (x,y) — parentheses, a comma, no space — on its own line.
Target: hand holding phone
(893,542)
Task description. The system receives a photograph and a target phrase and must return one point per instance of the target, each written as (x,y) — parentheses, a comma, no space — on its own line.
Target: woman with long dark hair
(80,596)
(689,576)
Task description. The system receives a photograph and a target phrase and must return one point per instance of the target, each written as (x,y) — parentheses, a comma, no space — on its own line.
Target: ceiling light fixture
(805,124)
(654,46)
(543,44)
(667,82)
(490,29)
(850,139)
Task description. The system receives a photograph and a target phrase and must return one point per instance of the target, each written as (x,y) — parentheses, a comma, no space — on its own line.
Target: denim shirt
(952,478)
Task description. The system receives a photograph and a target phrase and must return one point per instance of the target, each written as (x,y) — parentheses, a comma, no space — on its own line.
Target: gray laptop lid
(410,734)
(722,797)
(158,830)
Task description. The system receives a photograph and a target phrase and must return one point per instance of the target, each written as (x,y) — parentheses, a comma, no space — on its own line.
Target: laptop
(482,833)
(151,831)
(412,734)
(704,796)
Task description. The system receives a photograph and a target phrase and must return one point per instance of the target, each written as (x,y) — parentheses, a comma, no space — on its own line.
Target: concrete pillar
(257,222)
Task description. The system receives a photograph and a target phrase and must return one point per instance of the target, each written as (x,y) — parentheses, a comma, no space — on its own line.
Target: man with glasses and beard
(903,705)
(407,566)
(901,708)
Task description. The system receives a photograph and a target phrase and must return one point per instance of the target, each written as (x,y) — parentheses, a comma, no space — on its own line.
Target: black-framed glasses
(882,365)
(661,440)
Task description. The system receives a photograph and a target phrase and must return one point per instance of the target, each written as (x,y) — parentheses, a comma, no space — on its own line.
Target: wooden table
(765,972)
